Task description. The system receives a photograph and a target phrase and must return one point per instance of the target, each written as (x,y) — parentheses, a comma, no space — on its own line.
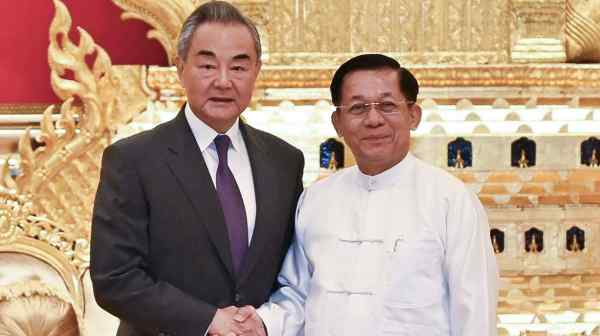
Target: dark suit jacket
(160,256)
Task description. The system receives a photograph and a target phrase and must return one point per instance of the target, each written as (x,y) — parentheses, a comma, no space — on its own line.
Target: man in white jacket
(392,246)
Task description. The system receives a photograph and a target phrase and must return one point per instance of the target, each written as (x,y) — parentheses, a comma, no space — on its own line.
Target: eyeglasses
(386,107)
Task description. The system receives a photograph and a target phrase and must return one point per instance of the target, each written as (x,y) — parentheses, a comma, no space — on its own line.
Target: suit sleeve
(123,284)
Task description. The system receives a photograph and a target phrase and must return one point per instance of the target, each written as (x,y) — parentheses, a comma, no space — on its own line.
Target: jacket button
(237,298)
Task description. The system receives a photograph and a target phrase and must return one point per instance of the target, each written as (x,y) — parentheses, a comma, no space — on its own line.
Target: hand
(223,323)
(233,321)
(250,322)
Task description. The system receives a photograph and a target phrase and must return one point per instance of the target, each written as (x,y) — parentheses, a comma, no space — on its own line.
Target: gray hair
(214,11)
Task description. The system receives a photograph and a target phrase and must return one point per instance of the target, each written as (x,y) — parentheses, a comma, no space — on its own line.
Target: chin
(223,114)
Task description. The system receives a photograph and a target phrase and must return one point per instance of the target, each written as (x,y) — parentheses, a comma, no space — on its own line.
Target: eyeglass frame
(375,104)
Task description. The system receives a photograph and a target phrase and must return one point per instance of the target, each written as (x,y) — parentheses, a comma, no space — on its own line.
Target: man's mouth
(375,138)
(221,99)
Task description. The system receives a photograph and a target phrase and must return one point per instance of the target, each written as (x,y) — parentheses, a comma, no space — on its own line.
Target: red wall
(24,24)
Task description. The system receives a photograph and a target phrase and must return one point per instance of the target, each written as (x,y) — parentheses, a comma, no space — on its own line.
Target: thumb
(243,314)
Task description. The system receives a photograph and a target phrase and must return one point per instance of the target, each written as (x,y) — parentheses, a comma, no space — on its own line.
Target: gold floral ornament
(165,17)
(582,30)
(51,199)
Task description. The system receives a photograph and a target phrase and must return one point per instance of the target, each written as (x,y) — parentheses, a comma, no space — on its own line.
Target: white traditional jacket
(404,252)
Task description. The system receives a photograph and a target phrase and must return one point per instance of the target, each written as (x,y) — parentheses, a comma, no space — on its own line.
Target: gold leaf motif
(51,199)
(27,160)
(166,17)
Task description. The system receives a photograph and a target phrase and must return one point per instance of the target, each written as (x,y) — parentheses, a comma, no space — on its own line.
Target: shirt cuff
(272,317)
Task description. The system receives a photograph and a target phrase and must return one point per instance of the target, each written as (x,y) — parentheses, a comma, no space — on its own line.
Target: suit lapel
(263,172)
(187,164)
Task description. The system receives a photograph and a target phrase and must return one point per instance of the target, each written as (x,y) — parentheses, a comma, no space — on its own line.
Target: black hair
(407,82)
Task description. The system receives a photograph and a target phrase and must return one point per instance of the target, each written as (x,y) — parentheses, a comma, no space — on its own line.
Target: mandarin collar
(397,174)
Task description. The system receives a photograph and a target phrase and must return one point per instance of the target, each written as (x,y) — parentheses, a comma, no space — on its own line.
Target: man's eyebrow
(241,57)
(208,53)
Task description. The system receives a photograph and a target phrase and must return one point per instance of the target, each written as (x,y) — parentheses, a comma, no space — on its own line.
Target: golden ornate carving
(306,32)
(311,32)
(582,30)
(164,81)
(166,17)
(133,93)
(40,249)
(536,33)
(29,288)
(50,201)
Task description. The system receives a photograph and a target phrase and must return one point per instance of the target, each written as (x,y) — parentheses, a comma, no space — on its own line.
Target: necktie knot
(222,143)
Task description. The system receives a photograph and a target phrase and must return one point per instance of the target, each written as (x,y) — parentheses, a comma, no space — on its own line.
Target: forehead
(224,40)
(371,84)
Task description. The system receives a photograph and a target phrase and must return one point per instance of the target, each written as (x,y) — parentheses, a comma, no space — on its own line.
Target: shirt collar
(398,174)
(205,135)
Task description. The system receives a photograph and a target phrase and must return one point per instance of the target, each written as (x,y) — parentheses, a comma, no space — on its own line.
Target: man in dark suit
(193,218)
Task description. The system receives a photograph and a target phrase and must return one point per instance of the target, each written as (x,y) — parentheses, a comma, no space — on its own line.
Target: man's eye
(357,108)
(206,66)
(238,68)
(388,107)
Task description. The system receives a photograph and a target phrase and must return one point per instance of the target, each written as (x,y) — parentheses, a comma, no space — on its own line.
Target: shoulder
(439,175)
(141,145)
(331,187)
(438,181)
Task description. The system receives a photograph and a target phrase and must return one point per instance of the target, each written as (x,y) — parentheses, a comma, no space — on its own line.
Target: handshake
(237,321)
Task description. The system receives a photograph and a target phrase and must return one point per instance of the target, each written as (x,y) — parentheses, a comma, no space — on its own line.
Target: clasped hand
(236,321)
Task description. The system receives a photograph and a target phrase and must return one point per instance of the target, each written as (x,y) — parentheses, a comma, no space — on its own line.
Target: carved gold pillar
(536,32)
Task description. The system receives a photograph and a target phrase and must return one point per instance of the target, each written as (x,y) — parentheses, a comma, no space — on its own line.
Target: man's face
(219,73)
(378,140)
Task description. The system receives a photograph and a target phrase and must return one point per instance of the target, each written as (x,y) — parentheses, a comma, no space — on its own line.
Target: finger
(231,309)
(244,313)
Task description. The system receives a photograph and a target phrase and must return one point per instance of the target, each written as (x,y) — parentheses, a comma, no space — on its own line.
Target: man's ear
(179,65)
(336,123)
(258,66)
(414,112)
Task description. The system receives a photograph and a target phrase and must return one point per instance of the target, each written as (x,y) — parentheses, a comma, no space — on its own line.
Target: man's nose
(223,79)
(373,117)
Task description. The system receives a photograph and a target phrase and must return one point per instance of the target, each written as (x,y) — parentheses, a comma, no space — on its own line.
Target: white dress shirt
(237,159)
(405,252)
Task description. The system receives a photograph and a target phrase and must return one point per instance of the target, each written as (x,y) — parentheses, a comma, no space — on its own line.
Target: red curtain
(24,36)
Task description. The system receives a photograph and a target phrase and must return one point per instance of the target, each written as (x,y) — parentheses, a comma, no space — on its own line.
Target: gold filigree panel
(308,32)
(326,31)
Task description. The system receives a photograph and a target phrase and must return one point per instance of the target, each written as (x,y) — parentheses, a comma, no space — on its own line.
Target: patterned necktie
(232,205)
